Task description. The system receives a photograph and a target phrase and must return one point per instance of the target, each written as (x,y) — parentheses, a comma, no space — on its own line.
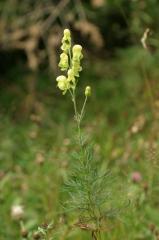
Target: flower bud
(24,232)
(36,235)
(67,34)
(63,64)
(88,91)
(136,177)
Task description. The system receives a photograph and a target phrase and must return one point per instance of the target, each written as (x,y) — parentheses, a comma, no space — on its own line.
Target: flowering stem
(75,105)
(79,117)
(70,61)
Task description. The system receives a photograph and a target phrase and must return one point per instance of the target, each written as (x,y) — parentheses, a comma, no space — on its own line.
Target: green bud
(88,91)
(64,64)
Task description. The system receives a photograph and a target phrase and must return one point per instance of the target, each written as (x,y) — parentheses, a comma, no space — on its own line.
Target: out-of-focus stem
(83,108)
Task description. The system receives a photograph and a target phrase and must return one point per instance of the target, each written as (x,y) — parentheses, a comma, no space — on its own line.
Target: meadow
(87,176)
(122,124)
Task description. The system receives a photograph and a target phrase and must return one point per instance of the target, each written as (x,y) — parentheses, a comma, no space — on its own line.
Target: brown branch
(50,20)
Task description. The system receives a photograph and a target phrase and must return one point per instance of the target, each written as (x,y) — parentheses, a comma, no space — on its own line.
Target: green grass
(34,150)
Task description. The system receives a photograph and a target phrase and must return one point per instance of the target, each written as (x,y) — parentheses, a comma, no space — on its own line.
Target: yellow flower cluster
(70,61)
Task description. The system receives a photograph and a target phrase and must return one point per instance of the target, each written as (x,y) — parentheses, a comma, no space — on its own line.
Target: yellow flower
(67,34)
(71,77)
(66,41)
(63,83)
(77,52)
(77,56)
(63,64)
(77,48)
(72,65)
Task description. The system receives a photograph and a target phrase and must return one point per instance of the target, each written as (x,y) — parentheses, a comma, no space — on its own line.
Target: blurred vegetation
(35,125)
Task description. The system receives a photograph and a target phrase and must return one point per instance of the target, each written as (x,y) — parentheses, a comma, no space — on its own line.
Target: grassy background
(121,120)
(37,129)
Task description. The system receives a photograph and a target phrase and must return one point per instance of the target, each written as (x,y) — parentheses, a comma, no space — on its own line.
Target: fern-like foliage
(94,196)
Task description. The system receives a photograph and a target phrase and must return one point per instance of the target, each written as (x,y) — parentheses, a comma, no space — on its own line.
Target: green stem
(83,108)
(70,58)
(96,235)
(75,108)
(78,117)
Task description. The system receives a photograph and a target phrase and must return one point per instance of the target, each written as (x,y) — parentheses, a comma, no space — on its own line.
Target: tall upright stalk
(88,188)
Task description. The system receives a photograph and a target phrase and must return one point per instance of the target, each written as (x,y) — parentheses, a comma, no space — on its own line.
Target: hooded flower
(63,64)
(63,83)
(77,56)
(70,61)
(66,41)
(71,77)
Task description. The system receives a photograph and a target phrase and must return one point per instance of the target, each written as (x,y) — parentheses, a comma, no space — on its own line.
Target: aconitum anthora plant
(92,193)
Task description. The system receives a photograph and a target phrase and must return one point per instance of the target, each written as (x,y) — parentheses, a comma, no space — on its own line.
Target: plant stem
(78,117)
(75,107)
(83,108)
(96,235)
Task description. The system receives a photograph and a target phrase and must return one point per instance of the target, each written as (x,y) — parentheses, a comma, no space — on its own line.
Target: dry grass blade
(144,38)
